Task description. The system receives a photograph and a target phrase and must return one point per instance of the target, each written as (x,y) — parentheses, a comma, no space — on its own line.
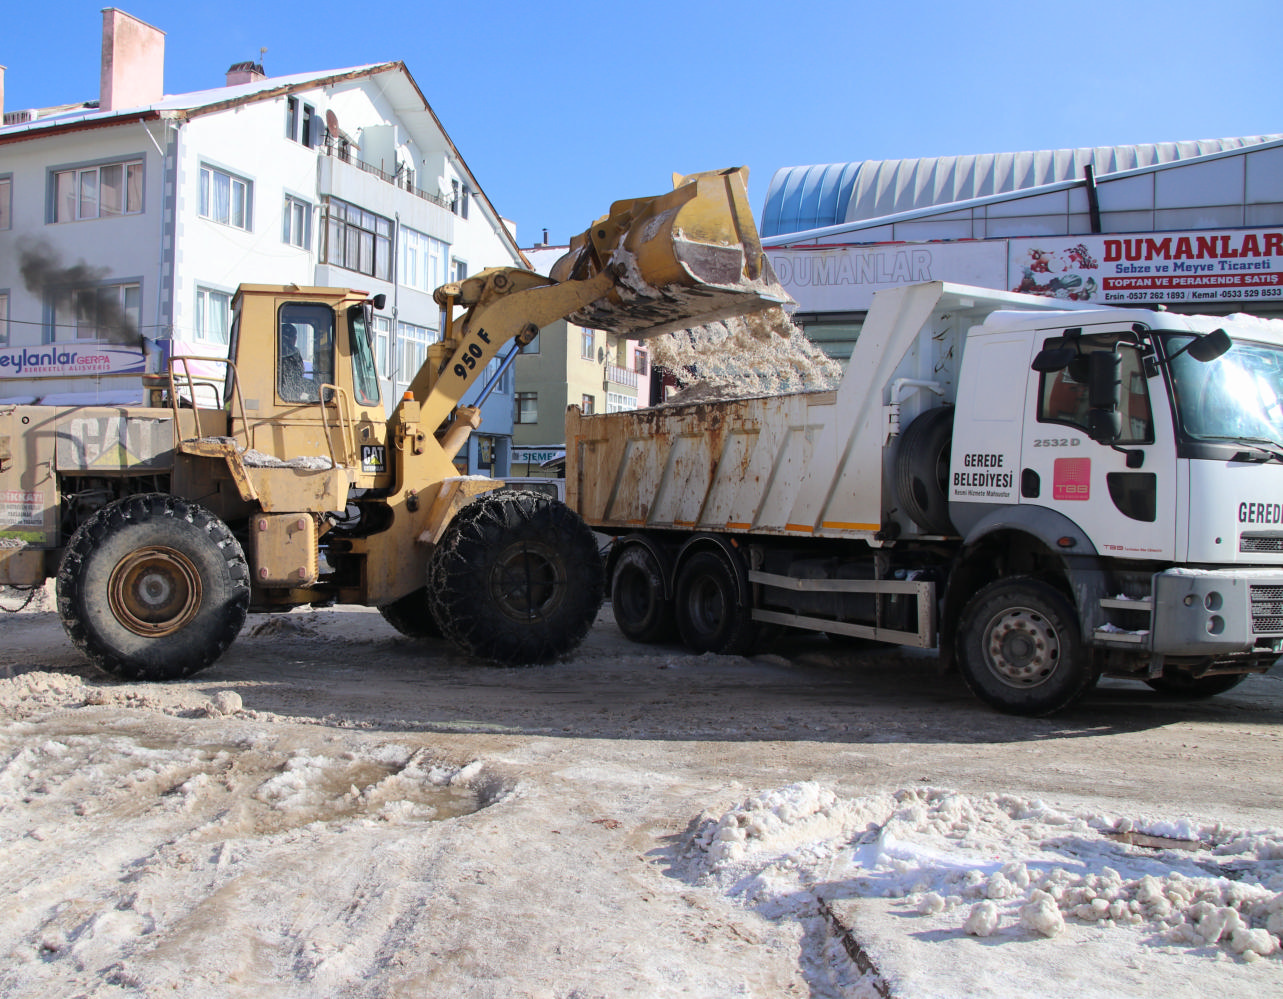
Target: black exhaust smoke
(43,274)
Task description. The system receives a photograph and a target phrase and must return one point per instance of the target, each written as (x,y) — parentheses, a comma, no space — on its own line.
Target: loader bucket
(682,259)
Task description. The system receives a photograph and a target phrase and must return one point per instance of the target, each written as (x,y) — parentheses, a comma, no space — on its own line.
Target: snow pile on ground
(967,866)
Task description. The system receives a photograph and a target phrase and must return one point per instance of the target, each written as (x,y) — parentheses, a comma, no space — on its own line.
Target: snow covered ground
(334,810)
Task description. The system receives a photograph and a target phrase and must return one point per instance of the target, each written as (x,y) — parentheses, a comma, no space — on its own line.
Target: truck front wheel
(710,616)
(153,588)
(637,597)
(516,578)
(1019,648)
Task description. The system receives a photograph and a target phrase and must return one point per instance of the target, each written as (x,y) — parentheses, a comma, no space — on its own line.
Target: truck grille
(1267,610)
(1260,543)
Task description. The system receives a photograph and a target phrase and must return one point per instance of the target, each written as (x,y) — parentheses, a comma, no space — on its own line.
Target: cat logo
(374,458)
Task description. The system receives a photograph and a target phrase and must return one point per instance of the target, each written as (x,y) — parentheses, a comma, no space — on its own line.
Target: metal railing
(332,148)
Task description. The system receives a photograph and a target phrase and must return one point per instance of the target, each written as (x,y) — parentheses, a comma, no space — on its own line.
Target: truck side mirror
(1104,391)
(1053,359)
(1210,347)
(1104,426)
(1104,379)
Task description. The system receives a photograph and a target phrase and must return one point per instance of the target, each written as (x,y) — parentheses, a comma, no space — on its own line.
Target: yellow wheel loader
(272,478)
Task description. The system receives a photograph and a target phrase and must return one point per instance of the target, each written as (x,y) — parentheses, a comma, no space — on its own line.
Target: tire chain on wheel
(169,657)
(461,571)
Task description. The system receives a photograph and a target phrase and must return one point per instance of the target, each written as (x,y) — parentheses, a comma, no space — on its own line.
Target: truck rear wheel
(516,578)
(1019,648)
(710,616)
(153,588)
(637,597)
(412,615)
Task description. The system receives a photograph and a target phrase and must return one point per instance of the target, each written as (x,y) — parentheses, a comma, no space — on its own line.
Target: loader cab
(308,387)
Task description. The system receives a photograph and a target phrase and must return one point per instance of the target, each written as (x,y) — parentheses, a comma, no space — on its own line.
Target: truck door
(1124,496)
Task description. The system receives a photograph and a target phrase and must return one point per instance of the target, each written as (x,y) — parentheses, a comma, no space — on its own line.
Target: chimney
(133,62)
(245,72)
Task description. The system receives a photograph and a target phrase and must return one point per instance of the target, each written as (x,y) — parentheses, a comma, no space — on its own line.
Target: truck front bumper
(1212,612)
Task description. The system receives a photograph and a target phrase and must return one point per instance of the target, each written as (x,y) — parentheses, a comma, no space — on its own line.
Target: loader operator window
(305,359)
(365,379)
(1062,395)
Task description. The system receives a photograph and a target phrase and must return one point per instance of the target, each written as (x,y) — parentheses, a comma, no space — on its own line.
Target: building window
(460,204)
(412,349)
(617,402)
(226,198)
(213,311)
(6,202)
(586,404)
(639,361)
(382,336)
(586,344)
(293,120)
(4,319)
(357,240)
(105,312)
(526,407)
(310,128)
(297,223)
(421,261)
(458,269)
(98,191)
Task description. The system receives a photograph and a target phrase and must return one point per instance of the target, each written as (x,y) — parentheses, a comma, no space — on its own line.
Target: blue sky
(560,108)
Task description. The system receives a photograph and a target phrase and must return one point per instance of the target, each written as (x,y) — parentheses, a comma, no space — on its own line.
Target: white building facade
(125,229)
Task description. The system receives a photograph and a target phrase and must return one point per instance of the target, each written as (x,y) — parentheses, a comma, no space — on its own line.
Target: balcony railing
(334,148)
(620,376)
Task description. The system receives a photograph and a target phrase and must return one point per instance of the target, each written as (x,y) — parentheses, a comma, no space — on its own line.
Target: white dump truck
(1044,492)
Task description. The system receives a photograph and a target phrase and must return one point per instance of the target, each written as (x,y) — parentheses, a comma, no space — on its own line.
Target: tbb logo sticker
(1071,479)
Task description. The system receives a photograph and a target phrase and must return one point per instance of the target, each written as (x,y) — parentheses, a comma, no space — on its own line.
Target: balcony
(620,376)
(338,150)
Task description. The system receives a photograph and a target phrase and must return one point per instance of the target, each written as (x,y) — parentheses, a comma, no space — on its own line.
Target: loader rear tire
(153,588)
(516,578)
(412,615)
(637,598)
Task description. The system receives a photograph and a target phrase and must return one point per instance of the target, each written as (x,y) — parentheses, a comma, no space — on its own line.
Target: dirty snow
(760,354)
(334,810)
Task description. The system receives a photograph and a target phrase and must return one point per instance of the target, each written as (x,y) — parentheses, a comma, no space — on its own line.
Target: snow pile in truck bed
(759,354)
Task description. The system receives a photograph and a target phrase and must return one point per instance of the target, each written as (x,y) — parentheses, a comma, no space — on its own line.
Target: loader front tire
(153,588)
(516,578)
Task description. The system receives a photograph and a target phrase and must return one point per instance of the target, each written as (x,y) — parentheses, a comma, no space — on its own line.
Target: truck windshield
(1237,397)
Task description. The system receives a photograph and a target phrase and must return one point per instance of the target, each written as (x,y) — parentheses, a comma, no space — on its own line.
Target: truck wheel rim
(1023,649)
(154,591)
(527,583)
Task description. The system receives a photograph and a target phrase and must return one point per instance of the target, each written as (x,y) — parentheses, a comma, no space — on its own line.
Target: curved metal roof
(802,198)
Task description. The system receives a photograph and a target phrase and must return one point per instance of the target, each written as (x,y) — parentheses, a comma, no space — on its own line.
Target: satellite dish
(332,122)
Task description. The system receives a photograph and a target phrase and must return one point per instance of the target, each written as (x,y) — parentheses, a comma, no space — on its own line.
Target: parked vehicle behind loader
(272,478)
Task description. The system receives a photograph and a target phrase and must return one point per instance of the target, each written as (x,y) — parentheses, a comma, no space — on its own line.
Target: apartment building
(127,222)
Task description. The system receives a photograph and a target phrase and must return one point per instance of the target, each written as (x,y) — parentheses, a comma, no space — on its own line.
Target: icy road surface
(333,810)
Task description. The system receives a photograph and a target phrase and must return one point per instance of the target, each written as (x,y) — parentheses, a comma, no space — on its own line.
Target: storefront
(1188,227)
